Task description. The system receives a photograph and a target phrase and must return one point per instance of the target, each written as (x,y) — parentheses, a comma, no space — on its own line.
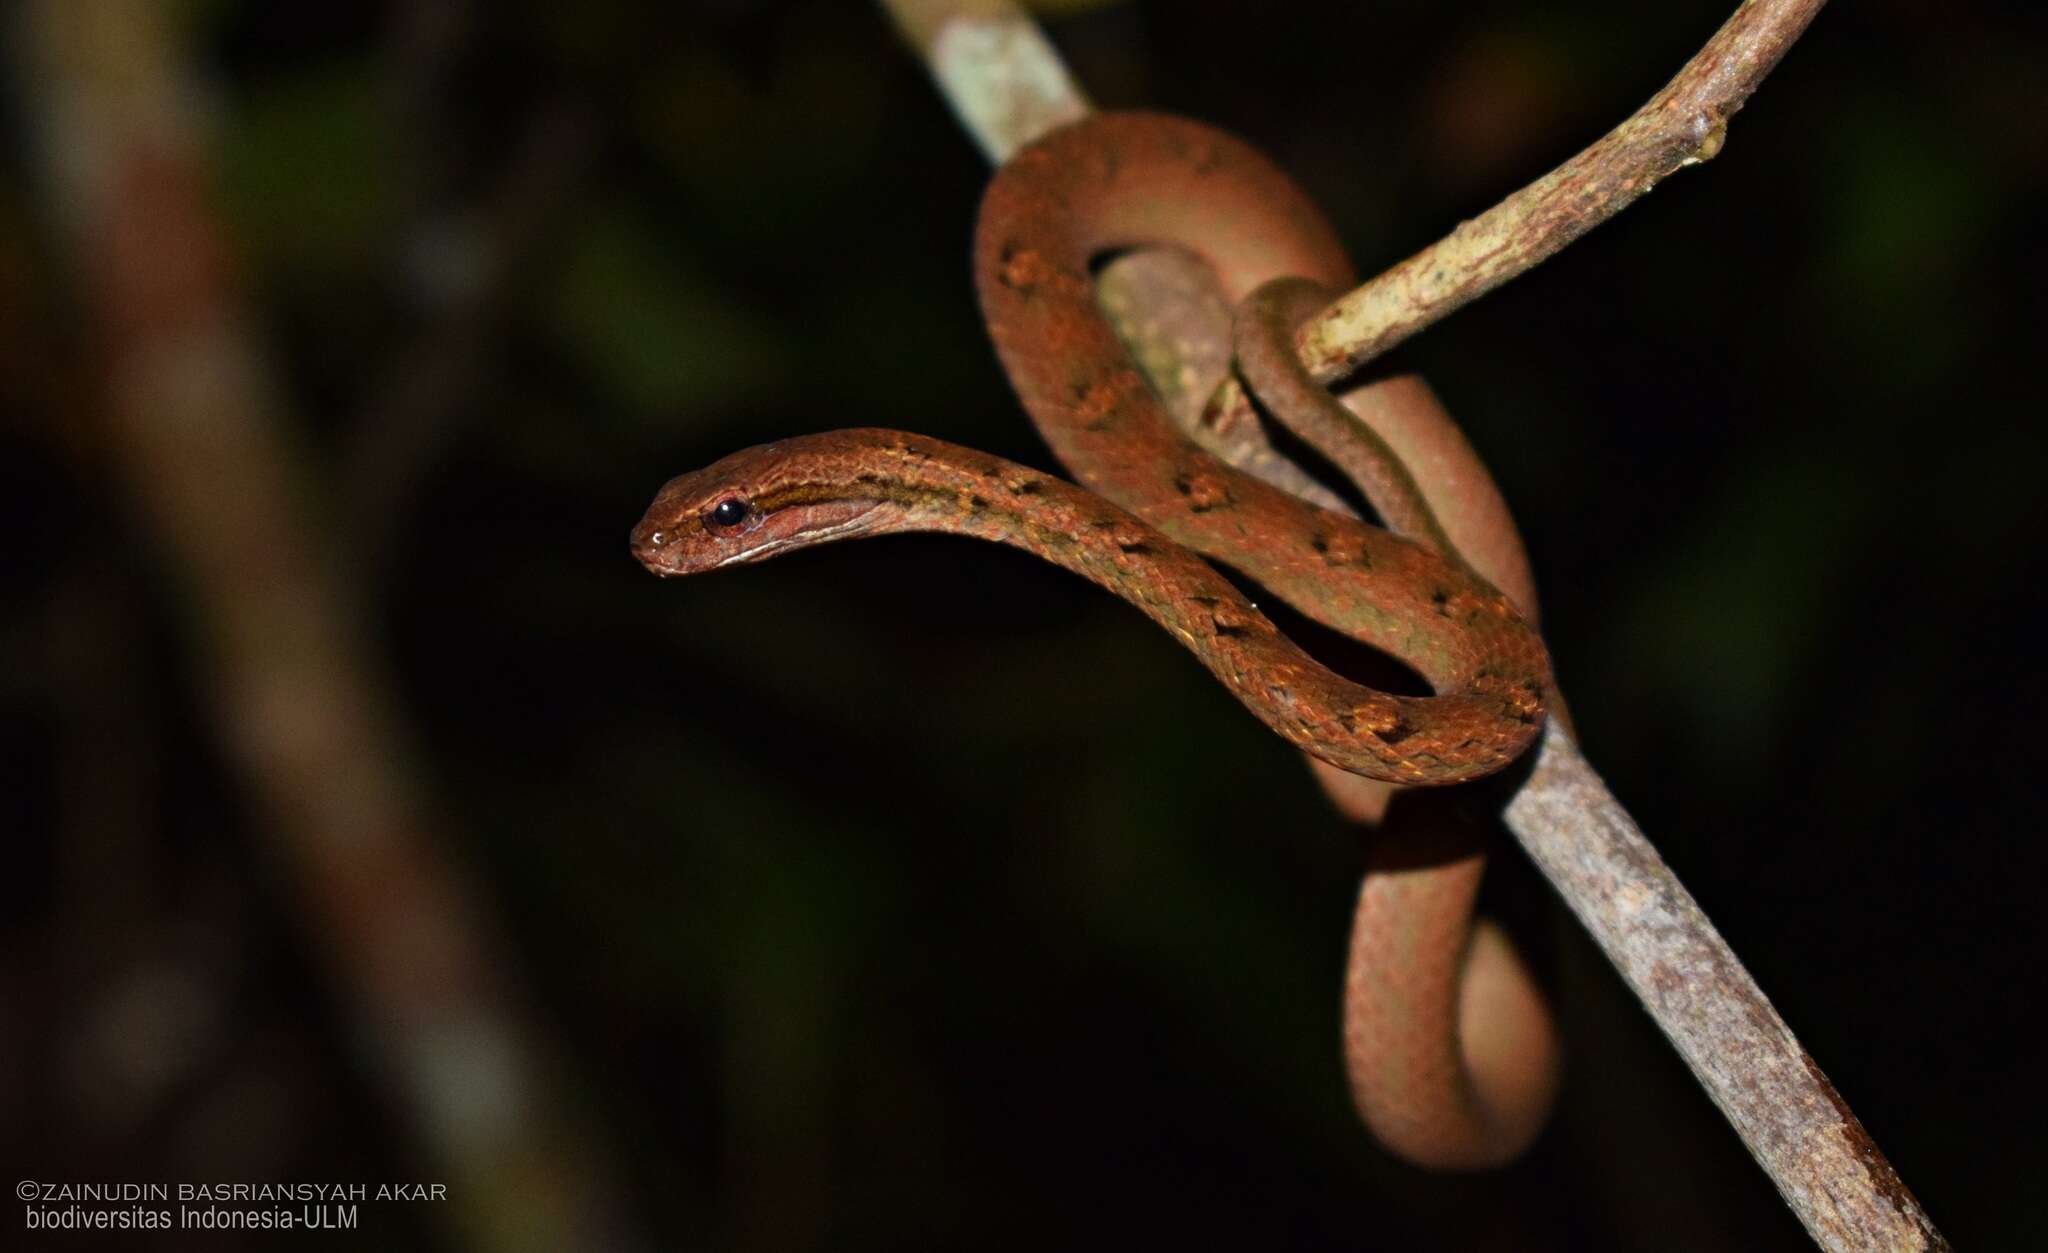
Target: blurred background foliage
(912,894)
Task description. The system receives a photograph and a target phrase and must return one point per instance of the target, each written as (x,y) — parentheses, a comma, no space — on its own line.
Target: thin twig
(304,710)
(1684,124)
(1786,1112)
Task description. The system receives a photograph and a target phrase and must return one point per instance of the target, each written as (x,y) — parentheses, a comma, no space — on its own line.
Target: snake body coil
(1448,1078)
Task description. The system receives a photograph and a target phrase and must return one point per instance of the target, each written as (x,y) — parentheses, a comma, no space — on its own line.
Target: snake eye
(729,512)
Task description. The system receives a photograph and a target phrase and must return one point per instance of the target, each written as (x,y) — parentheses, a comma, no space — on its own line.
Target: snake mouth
(653,546)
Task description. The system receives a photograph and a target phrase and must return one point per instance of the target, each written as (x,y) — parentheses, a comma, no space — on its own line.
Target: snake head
(749,506)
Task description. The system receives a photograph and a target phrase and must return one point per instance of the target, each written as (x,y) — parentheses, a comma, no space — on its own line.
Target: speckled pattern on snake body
(1440,1083)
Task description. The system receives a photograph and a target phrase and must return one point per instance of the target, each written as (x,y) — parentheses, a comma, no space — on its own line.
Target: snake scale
(1447,1045)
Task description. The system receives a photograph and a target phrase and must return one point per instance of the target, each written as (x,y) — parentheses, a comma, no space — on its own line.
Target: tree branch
(1792,1120)
(1005,82)
(1772,1092)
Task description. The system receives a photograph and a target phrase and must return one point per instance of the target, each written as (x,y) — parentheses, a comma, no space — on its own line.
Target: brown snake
(1120,180)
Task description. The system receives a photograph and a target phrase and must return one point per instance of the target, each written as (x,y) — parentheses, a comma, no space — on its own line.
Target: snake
(1150,516)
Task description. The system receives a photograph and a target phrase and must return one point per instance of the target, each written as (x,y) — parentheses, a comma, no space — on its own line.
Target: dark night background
(914,894)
